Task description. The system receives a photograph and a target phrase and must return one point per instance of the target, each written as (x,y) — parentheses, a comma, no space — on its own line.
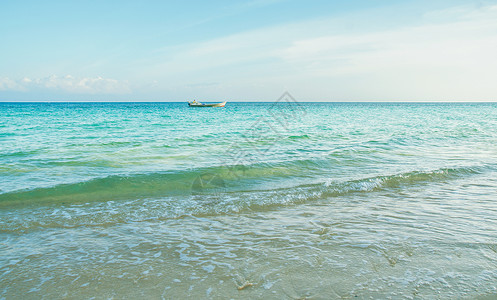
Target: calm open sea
(254,200)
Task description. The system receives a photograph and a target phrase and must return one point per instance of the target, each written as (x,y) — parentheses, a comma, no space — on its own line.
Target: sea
(259,200)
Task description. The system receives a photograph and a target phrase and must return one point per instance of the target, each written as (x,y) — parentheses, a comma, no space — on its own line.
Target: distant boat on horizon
(194,103)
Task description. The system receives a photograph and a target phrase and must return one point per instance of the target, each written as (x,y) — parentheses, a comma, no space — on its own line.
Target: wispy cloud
(67,84)
(468,30)
(448,54)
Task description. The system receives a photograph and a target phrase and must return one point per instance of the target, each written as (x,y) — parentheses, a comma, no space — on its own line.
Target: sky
(317,50)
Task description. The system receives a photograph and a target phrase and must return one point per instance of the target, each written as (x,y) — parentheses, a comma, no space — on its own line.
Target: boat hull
(222,104)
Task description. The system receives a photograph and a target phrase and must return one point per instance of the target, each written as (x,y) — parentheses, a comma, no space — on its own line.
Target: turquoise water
(254,200)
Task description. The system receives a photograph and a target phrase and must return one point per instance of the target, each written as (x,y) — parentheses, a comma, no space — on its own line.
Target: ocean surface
(280,200)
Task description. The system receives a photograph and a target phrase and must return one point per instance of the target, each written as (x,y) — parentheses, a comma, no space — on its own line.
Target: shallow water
(254,200)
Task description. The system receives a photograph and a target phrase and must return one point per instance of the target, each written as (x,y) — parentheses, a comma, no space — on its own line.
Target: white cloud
(67,84)
(7,84)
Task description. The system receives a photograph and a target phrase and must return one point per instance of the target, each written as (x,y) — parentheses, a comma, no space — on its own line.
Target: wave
(167,196)
(19,153)
(135,186)
(226,179)
(299,137)
(333,189)
(102,189)
(400,180)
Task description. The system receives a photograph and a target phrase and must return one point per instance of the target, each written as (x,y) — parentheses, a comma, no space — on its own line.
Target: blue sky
(248,50)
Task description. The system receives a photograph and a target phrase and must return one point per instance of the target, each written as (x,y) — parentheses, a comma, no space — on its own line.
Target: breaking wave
(211,191)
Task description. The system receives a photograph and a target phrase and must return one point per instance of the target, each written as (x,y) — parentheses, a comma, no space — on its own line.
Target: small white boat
(198,104)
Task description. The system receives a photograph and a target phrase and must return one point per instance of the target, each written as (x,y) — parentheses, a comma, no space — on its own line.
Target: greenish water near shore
(254,200)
